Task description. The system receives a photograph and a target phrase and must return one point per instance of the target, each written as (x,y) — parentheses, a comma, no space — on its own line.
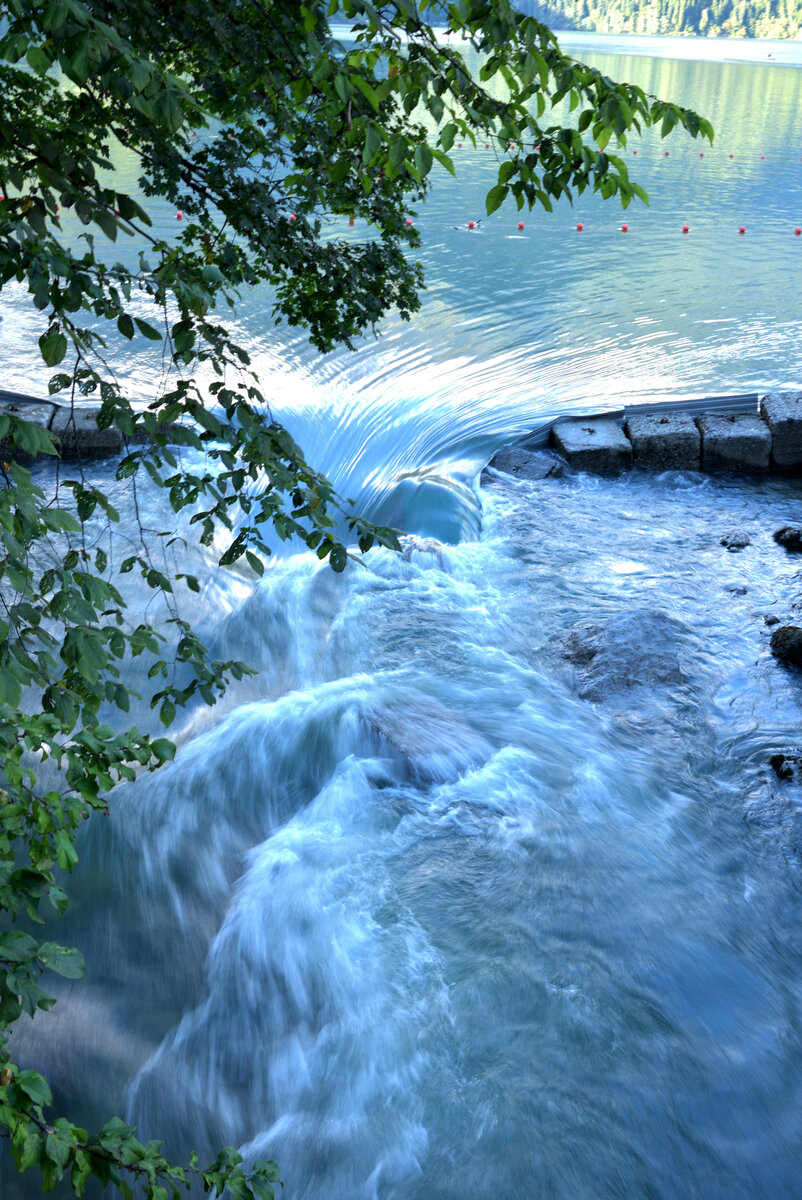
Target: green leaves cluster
(258,125)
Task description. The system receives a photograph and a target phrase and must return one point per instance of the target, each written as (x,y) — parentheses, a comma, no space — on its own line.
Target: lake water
(407,914)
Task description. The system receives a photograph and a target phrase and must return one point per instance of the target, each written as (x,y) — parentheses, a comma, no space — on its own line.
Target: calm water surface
(407,914)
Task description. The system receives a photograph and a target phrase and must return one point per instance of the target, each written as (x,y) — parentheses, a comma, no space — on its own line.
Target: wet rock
(736,539)
(426,552)
(637,649)
(598,445)
(670,442)
(436,743)
(771,619)
(786,644)
(782,412)
(736,589)
(527,464)
(790,538)
(734,442)
(787,765)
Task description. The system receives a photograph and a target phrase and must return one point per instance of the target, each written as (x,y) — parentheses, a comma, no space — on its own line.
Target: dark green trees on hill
(710,18)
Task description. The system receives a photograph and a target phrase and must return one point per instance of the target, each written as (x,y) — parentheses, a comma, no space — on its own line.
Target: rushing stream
(416,912)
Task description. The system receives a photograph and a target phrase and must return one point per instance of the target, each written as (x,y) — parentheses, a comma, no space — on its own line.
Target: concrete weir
(76,428)
(746,433)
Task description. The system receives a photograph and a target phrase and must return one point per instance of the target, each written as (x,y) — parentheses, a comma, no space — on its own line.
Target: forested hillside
(722,18)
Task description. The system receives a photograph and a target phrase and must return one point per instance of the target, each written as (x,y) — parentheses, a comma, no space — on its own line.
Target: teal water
(407,913)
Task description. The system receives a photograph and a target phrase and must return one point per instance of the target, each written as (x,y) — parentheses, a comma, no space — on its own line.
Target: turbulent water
(415,912)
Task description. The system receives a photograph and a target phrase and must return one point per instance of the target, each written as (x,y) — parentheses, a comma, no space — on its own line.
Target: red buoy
(634,152)
(666,154)
(409,220)
(742,229)
(730,156)
(459,145)
(624,228)
(762,156)
(487,145)
(797,231)
(292,216)
(701,153)
(684,228)
(351,221)
(580,226)
(179,215)
(520,224)
(471,224)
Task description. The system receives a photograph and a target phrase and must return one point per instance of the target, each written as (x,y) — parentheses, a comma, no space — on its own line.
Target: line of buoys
(624,228)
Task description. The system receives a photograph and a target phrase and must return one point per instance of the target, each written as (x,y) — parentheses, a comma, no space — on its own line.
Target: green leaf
(53,346)
(163,749)
(64,960)
(34,1087)
(423,160)
(496,197)
(147,330)
(10,689)
(373,141)
(338,557)
(17,947)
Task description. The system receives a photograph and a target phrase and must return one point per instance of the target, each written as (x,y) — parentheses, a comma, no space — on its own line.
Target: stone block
(526,464)
(596,445)
(734,442)
(79,435)
(782,412)
(38,412)
(665,443)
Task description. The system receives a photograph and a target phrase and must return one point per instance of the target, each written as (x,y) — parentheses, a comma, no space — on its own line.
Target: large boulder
(631,650)
(786,644)
(790,538)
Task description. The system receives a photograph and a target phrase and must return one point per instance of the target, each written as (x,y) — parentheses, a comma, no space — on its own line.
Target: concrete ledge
(79,436)
(735,442)
(665,443)
(782,412)
(593,445)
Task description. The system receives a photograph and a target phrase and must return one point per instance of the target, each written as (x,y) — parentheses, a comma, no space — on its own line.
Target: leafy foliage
(293,127)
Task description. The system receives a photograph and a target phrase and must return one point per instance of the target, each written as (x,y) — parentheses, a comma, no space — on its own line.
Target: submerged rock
(637,649)
(787,765)
(786,644)
(437,744)
(736,539)
(790,537)
(425,551)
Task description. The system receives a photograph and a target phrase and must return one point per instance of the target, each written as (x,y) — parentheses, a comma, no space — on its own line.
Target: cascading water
(408,913)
